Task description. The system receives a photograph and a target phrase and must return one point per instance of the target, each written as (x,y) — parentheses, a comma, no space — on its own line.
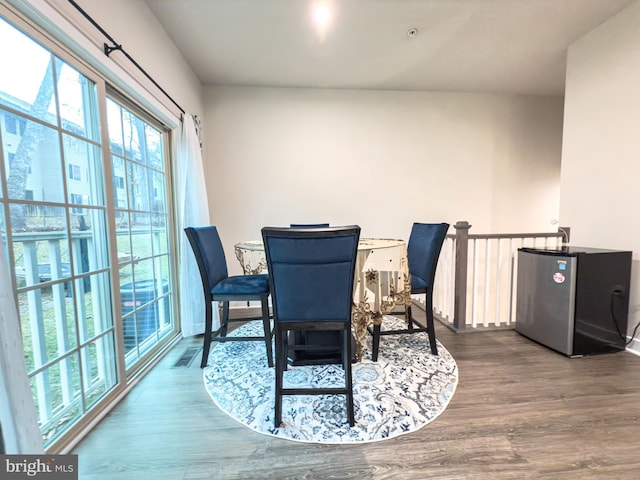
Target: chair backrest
(209,254)
(309,225)
(311,272)
(423,249)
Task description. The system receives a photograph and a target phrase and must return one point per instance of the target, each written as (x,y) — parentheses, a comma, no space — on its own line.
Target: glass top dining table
(382,281)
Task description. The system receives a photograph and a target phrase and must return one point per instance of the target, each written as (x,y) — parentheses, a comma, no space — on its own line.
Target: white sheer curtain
(20,431)
(193,211)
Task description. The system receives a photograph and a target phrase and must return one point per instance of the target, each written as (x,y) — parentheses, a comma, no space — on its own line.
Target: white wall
(600,172)
(380,159)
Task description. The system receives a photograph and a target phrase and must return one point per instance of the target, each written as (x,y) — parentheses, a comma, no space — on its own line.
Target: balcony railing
(475,283)
(64,303)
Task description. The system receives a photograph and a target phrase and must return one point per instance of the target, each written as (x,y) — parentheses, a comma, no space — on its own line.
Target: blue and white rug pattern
(403,391)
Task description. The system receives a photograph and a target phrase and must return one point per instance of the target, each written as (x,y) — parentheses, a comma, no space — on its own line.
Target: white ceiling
(494,46)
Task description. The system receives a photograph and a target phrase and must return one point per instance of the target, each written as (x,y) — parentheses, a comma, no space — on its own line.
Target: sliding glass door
(85,223)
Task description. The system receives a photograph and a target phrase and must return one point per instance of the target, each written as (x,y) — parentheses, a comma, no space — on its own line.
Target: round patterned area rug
(404,390)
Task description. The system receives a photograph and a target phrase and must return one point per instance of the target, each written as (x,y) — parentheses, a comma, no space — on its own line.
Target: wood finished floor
(520,411)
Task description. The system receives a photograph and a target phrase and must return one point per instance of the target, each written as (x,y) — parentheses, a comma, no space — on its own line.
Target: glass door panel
(56,232)
(139,184)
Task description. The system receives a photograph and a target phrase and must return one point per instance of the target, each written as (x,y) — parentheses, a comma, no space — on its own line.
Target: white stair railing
(475,282)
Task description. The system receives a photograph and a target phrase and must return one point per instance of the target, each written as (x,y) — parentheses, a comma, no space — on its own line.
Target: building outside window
(74,172)
(11,124)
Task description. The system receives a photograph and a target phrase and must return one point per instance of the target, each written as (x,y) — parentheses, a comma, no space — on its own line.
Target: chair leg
(224,322)
(409,317)
(375,347)
(346,353)
(222,331)
(285,350)
(431,328)
(280,362)
(267,330)
(208,325)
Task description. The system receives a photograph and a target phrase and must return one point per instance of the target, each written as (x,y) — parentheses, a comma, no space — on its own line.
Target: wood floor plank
(520,411)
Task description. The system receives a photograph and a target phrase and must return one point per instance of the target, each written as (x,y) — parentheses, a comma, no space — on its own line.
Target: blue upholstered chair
(303,337)
(423,251)
(311,274)
(309,225)
(219,286)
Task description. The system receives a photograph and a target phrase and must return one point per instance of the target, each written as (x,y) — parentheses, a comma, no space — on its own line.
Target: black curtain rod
(116,46)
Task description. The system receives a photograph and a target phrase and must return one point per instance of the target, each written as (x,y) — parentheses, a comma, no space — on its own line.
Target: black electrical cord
(615,320)
(635,330)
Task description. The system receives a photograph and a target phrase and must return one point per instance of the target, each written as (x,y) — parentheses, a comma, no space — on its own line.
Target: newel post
(460,293)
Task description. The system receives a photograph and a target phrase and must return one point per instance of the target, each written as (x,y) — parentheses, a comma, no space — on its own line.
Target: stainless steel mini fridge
(574,300)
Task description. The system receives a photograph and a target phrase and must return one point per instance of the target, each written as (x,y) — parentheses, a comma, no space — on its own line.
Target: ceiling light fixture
(322,17)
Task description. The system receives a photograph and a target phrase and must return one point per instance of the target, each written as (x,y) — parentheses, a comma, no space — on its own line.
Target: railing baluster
(36,319)
(498,320)
(79,294)
(487,259)
(511,282)
(452,280)
(62,324)
(474,284)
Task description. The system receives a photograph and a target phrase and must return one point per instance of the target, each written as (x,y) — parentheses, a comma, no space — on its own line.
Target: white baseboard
(634,347)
